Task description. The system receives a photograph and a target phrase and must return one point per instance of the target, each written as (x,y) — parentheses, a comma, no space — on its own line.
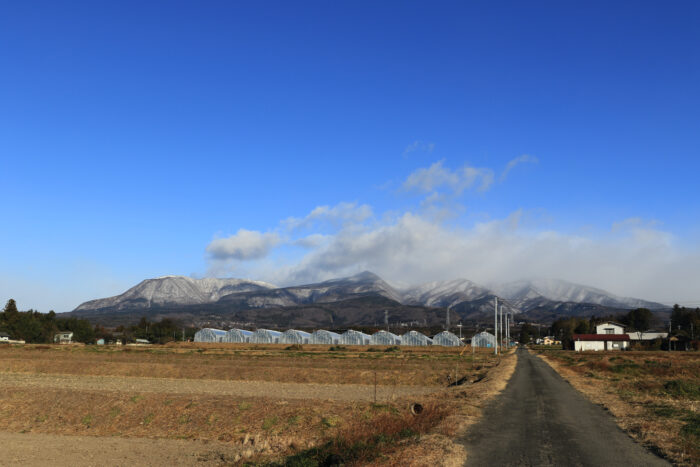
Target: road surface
(539,419)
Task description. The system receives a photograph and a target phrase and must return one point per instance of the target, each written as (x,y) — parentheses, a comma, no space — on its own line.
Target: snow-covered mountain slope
(365,283)
(464,296)
(528,294)
(174,290)
(445,293)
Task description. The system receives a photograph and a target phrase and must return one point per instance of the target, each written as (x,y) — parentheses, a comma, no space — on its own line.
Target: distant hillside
(357,300)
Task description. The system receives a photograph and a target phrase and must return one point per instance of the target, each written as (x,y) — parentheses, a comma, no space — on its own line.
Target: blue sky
(138,140)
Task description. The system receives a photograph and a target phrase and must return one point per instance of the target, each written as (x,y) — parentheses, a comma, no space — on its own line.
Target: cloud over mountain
(244,245)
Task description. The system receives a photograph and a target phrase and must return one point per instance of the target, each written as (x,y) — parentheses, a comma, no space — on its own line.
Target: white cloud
(338,215)
(244,245)
(411,248)
(437,177)
(518,160)
(427,243)
(419,146)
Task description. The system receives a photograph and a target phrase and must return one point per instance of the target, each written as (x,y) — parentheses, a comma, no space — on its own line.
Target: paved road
(539,419)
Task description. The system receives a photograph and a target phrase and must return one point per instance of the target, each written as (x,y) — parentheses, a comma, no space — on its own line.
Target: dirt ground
(78,451)
(157,406)
(274,390)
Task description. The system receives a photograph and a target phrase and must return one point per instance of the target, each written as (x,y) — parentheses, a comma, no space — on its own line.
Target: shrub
(681,388)
(362,442)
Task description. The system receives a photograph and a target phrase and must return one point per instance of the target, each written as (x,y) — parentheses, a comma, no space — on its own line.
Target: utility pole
(386,319)
(501,324)
(447,319)
(495,325)
(507,329)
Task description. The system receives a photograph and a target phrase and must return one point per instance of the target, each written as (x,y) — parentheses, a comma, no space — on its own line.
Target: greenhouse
(293,336)
(384,338)
(239,336)
(351,337)
(447,339)
(266,336)
(325,337)
(415,338)
(484,339)
(210,335)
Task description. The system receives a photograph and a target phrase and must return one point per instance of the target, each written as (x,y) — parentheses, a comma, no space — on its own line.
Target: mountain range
(355,300)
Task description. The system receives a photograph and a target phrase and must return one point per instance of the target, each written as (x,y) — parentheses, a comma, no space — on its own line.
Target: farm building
(447,339)
(266,336)
(292,336)
(415,338)
(325,337)
(239,336)
(4,337)
(351,337)
(484,339)
(63,337)
(583,342)
(384,338)
(210,335)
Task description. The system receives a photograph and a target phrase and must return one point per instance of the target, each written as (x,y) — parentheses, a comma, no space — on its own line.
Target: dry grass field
(234,404)
(655,396)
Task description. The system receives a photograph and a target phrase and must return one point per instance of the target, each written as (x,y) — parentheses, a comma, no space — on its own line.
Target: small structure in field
(145,341)
(322,336)
(484,339)
(238,336)
(415,339)
(293,336)
(583,342)
(63,337)
(210,335)
(266,336)
(447,339)
(352,337)
(384,338)
(4,337)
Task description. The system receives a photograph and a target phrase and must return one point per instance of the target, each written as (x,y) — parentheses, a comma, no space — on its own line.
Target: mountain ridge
(463,294)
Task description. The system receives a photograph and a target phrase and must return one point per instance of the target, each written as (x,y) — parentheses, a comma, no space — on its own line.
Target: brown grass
(654,396)
(258,427)
(314,364)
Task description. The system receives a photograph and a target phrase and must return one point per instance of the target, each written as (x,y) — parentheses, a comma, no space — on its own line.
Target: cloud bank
(632,258)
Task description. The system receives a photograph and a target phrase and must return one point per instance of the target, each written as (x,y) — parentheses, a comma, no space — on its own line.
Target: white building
(609,328)
(64,337)
(584,342)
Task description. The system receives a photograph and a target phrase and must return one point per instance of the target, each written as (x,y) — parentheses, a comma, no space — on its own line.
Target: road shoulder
(629,418)
(467,402)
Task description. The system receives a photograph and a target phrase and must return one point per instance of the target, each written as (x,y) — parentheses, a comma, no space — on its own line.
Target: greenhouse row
(350,337)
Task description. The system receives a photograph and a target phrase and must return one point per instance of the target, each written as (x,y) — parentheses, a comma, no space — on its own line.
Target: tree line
(40,328)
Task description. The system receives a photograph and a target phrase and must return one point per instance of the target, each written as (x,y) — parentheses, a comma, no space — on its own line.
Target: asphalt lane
(539,419)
